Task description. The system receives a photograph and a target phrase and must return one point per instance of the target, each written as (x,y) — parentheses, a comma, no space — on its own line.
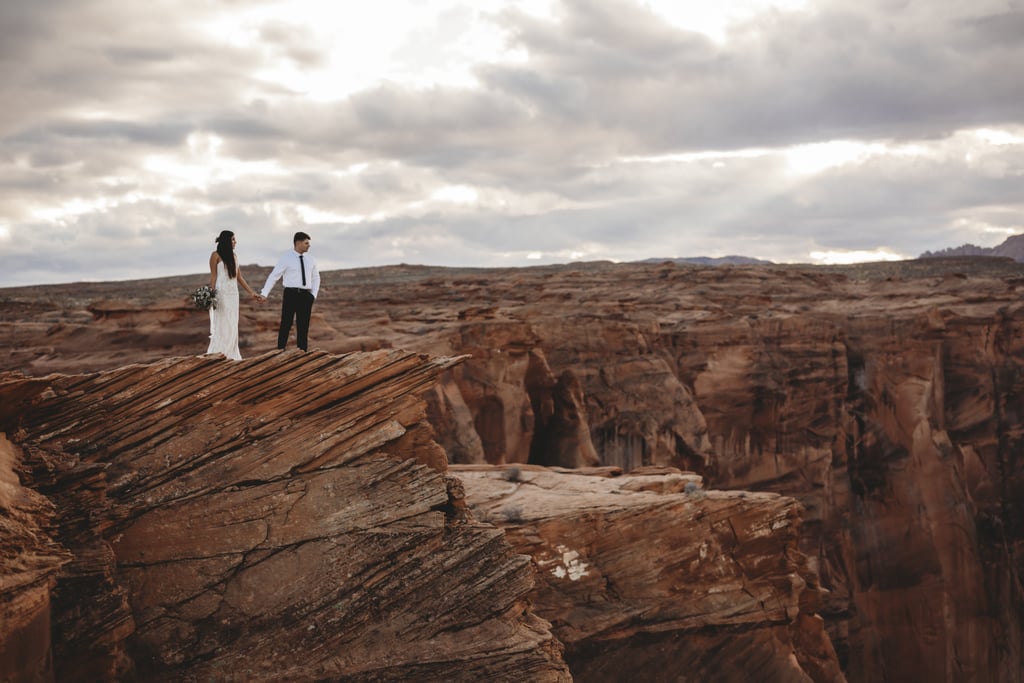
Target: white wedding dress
(224,318)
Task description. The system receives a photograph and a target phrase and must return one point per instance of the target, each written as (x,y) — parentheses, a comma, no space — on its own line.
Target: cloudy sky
(503,132)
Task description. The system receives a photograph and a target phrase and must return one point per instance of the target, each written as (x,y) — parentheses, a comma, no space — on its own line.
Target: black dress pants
(297,305)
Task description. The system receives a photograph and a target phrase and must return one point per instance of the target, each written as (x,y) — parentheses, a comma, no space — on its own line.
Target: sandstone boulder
(649,577)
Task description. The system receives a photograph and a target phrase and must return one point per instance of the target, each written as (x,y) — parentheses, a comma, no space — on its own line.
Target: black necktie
(302,267)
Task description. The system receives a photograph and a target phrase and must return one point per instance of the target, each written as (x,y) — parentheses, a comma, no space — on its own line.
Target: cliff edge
(287,517)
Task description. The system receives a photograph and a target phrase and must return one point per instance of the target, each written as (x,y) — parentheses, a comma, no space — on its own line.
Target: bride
(225,276)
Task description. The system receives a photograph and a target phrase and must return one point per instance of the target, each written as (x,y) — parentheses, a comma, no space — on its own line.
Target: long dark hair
(227,254)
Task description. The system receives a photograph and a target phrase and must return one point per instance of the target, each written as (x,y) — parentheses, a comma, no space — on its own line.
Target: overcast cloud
(503,133)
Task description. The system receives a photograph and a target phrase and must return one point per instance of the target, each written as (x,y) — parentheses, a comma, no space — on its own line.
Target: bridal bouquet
(204,298)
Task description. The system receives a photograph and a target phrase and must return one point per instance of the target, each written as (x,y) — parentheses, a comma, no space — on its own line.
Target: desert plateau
(592,472)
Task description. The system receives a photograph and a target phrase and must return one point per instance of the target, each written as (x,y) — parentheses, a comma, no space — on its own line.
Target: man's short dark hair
(300,236)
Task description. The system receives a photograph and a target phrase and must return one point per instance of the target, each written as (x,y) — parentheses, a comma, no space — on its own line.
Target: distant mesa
(1013,248)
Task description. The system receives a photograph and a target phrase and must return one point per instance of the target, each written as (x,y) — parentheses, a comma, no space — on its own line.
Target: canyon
(671,471)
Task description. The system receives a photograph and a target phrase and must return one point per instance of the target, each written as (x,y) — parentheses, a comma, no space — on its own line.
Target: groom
(301,285)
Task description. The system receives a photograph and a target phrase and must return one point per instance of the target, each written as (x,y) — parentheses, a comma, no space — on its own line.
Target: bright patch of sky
(814,158)
(836,257)
(563,256)
(714,18)
(62,214)
(998,137)
(821,156)
(984,229)
(314,216)
(417,43)
(200,168)
(456,194)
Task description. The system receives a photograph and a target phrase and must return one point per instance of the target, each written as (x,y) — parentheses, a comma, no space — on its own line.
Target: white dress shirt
(288,268)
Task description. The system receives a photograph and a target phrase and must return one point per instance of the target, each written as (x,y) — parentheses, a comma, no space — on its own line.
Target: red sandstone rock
(886,398)
(286,517)
(631,565)
(29,562)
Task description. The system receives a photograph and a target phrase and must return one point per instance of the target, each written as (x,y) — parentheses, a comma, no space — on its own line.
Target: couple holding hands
(301,286)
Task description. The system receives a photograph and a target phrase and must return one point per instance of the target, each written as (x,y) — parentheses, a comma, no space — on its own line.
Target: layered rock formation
(885,398)
(28,574)
(286,517)
(648,577)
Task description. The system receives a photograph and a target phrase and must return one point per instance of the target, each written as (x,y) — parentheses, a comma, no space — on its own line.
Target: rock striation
(286,517)
(885,398)
(31,561)
(646,576)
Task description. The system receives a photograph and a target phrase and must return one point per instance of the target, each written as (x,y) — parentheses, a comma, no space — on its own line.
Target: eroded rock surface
(30,560)
(287,517)
(649,577)
(886,398)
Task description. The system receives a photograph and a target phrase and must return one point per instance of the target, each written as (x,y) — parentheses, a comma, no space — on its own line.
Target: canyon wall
(886,399)
(290,517)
